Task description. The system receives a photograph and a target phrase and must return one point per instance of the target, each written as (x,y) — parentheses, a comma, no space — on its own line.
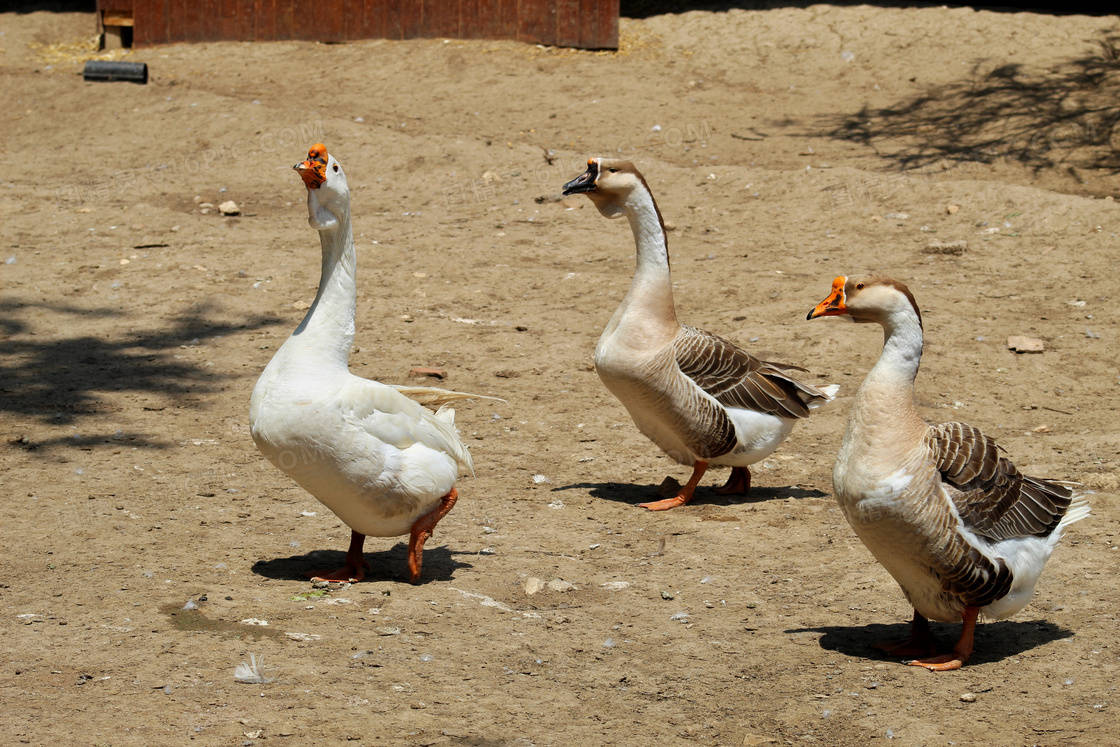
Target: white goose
(952,520)
(379,460)
(699,397)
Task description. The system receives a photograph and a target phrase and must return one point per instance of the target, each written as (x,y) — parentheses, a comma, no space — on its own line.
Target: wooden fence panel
(578,23)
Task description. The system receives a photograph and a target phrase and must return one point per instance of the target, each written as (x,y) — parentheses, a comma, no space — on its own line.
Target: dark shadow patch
(1060,120)
(995,641)
(622,492)
(59,381)
(439,564)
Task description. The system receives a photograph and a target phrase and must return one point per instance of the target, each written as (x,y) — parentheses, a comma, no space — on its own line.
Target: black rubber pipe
(133,72)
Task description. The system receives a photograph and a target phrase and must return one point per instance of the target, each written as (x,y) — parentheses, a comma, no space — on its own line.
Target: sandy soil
(785,146)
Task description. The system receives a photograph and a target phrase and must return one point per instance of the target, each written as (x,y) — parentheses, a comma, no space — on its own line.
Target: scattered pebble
(681,617)
(306,637)
(666,594)
(533,585)
(229,207)
(540,480)
(968,698)
(615,585)
(1023,344)
(560,585)
(254,621)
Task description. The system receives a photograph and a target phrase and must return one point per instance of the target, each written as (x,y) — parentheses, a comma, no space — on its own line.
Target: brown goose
(962,531)
(697,396)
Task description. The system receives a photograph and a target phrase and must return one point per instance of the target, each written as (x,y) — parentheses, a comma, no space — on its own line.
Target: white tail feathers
(1078,510)
(829,392)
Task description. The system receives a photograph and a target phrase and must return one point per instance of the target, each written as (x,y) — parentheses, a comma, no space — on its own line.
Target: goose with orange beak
(956,524)
(370,452)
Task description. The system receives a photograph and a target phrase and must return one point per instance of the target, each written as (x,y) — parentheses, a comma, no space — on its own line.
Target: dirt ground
(785,146)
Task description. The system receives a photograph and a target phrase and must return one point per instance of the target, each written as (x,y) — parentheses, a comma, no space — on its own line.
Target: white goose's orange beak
(313,171)
(834,304)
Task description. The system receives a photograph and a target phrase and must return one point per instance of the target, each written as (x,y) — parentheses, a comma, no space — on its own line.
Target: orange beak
(313,171)
(834,304)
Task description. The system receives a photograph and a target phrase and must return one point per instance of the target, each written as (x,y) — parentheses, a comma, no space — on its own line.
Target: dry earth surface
(786,146)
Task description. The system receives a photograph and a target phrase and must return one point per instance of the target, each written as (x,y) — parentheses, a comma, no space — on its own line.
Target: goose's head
(868,300)
(328,196)
(608,182)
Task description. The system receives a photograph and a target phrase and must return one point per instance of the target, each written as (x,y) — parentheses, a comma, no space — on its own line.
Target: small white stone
(229,207)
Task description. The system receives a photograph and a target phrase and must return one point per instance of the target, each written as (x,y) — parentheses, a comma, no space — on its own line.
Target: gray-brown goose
(699,397)
(960,529)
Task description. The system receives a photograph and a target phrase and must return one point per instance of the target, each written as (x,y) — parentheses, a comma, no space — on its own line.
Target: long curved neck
(327,331)
(649,301)
(884,414)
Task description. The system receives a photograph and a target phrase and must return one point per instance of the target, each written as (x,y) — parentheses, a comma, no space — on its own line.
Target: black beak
(585,182)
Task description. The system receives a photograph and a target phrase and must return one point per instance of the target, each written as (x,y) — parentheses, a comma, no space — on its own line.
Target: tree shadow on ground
(1063,119)
(995,641)
(634,494)
(439,564)
(59,380)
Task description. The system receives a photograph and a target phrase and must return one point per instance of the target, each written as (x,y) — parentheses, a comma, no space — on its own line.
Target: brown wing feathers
(992,497)
(735,378)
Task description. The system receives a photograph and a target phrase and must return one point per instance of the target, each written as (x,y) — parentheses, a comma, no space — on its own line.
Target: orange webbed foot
(422,530)
(940,663)
(345,574)
(355,568)
(666,503)
(685,494)
(961,652)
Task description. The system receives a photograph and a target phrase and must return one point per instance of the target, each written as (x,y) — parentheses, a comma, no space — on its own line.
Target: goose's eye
(336,167)
(613,171)
(859,286)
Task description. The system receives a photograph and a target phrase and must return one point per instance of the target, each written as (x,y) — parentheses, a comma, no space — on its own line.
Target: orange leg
(739,483)
(920,643)
(685,495)
(961,651)
(355,568)
(422,530)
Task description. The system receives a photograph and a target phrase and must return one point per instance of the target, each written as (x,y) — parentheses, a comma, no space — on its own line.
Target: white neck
(327,331)
(884,415)
(649,303)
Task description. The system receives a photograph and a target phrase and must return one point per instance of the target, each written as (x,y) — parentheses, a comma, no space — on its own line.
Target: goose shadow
(633,494)
(439,564)
(995,641)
